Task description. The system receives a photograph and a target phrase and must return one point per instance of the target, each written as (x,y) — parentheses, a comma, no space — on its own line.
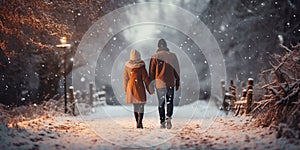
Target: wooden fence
(93,98)
(239,105)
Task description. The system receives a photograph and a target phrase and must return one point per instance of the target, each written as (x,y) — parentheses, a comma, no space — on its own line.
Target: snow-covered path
(105,121)
(114,128)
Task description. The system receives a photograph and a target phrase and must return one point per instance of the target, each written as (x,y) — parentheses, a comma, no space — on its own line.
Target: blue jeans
(163,95)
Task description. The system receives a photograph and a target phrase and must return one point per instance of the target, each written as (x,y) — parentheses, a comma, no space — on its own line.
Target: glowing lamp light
(63,40)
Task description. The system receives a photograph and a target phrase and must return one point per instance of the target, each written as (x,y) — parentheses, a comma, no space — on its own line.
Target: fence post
(84,96)
(226,105)
(72,99)
(232,90)
(250,84)
(249,95)
(244,95)
(91,94)
(223,87)
(77,95)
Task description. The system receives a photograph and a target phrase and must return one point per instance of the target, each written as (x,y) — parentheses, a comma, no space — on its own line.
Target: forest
(31,66)
(258,39)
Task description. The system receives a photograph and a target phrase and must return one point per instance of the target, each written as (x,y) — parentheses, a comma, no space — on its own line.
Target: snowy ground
(195,126)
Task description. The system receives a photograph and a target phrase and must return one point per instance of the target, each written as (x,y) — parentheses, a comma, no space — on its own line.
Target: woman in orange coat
(135,80)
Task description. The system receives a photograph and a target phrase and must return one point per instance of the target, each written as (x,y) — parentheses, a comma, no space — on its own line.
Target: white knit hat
(135,55)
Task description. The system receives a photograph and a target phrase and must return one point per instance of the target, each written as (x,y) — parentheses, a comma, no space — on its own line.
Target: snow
(82,79)
(199,125)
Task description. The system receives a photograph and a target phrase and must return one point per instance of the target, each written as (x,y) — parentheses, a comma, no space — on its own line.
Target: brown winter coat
(164,69)
(135,80)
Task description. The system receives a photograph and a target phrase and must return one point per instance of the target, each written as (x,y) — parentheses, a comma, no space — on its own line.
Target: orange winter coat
(164,69)
(135,80)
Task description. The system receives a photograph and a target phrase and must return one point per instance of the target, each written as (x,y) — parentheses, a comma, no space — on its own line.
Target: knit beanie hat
(135,55)
(162,43)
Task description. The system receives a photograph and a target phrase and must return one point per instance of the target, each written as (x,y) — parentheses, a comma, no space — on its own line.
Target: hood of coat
(162,43)
(134,64)
(135,55)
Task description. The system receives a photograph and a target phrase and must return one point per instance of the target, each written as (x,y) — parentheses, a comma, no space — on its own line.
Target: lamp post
(64,45)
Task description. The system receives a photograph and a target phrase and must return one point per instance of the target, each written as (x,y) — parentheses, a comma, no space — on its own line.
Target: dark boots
(139,115)
(139,119)
(140,122)
(136,116)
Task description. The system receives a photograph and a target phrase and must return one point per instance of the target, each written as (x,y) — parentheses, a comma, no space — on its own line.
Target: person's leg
(135,109)
(161,93)
(141,115)
(170,99)
(170,106)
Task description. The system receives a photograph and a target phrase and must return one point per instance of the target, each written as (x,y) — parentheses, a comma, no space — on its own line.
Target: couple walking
(164,75)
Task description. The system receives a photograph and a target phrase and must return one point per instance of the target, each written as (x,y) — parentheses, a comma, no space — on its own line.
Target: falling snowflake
(280,37)
(222,28)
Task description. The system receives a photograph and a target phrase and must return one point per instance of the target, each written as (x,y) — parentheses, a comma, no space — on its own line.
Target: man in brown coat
(164,70)
(135,80)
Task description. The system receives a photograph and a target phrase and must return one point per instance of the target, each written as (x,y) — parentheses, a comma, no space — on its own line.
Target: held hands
(151,92)
(151,89)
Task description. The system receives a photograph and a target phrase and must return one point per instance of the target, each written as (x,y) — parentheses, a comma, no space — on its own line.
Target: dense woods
(31,66)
